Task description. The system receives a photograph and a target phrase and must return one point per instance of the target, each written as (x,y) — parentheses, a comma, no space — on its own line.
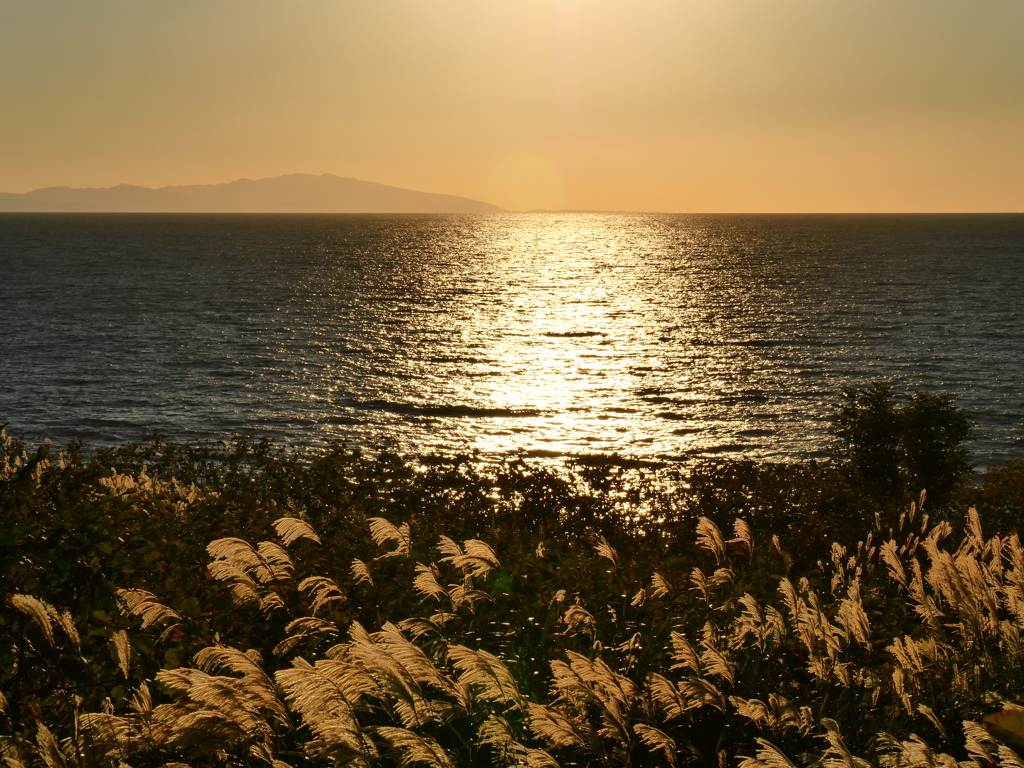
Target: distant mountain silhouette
(295,193)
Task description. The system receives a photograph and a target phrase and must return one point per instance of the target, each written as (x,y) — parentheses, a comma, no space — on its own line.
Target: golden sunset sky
(648,105)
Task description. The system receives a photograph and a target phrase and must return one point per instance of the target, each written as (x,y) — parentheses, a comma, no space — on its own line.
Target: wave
(450,411)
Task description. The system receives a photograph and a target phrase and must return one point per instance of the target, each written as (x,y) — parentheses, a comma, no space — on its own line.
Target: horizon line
(513,212)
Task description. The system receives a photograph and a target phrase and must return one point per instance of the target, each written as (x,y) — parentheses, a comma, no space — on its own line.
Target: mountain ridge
(291,193)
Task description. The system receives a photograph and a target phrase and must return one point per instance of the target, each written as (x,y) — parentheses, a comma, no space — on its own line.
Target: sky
(647,105)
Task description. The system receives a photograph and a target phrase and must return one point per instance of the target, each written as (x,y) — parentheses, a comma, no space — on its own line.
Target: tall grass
(246,605)
(892,652)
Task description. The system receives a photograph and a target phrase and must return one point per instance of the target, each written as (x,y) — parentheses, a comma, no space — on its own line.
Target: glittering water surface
(648,335)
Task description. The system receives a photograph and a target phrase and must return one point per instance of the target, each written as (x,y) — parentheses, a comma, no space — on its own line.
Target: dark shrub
(891,450)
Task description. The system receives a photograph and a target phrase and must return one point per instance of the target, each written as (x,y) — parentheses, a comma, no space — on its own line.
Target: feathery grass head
(383,532)
(710,538)
(144,605)
(291,529)
(474,559)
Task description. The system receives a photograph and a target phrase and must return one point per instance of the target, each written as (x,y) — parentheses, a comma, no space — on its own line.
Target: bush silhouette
(892,450)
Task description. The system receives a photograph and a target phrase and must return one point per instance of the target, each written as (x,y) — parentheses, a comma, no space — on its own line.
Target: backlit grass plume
(904,652)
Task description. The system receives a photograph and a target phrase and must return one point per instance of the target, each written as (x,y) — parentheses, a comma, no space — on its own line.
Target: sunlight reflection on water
(652,336)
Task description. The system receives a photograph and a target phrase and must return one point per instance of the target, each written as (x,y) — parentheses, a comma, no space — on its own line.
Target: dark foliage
(890,449)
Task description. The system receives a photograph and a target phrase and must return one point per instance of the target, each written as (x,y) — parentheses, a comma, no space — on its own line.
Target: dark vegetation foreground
(243,604)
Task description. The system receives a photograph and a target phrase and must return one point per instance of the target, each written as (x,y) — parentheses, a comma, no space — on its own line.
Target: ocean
(662,337)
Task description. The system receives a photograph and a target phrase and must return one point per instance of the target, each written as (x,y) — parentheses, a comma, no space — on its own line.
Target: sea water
(655,336)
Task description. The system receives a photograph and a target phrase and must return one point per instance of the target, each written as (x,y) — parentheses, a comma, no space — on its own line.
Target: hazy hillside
(296,193)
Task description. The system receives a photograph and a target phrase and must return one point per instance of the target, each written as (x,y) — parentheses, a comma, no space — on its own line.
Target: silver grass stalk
(463,595)
(656,740)
(710,634)
(684,656)
(291,529)
(322,590)
(244,664)
(414,749)
(632,645)
(141,702)
(852,617)
(49,750)
(899,685)
(477,561)
(742,535)
(1015,557)
(108,736)
(700,583)
(722,576)
(426,584)
(123,649)
(246,590)
(928,712)
(360,572)
(303,628)
(774,629)
(412,658)
(893,563)
(253,573)
(534,758)
(66,623)
(979,743)
(715,663)
(596,674)
(664,693)
(235,550)
(1008,758)
(327,696)
(615,727)
(496,733)
(605,550)
(793,602)
(336,743)
(838,754)
(448,547)
(213,713)
(144,605)
(749,622)
(13,753)
(41,613)
(237,701)
(973,527)
(328,688)
(383,531)
(659,586)
(400,668)
(710,538)
(487,674)
(768,756)
(702,692)
(777,714)
(206,732)
(277,559)
(417,626)
(578,619)
(923,603)
(551,726)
